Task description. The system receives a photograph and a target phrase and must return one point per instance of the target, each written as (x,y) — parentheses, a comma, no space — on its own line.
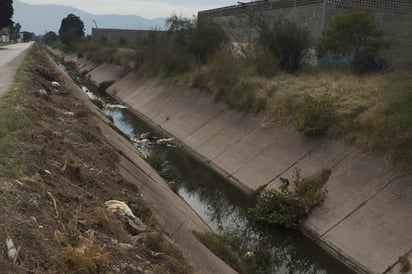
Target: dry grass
(125,57)
(404,263)
(349,93)
(371,110)
(54,211)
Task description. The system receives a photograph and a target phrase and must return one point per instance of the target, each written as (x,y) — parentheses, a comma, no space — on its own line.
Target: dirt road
(10,57)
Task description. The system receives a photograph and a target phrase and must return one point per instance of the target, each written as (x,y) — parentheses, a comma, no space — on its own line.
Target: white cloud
(147,9)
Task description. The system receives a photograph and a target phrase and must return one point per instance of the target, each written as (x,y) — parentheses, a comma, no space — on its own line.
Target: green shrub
(201,39)
(290,204)
(287,42)
(355,32)
(176,64)
(124,56)
(243,97)
(315,116)
(206,39)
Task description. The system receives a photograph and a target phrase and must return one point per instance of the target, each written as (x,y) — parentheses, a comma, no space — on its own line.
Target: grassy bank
(57,172)
(371,110)
(12,121)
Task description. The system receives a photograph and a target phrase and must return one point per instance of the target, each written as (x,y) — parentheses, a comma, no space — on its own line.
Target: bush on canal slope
(291,203)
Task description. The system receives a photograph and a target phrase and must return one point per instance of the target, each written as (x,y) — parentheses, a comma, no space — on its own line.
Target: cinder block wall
(239,21)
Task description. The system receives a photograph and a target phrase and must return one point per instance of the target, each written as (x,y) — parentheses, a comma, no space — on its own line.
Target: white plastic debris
(85,89)
(145,135)
(11,250)
(165,141)
(115,106)
(68,113)
(141,142)
(120,208)
(249,254)
(43,93)
(55,84)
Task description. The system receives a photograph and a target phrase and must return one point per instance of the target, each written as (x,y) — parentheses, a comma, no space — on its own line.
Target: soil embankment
(70,162)
(366,217)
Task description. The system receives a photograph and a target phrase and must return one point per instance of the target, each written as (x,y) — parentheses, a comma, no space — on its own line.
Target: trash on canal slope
(141,142)
(165,141)
(12,251)
(133,223)
(55,84)
(120,208)
(115,106)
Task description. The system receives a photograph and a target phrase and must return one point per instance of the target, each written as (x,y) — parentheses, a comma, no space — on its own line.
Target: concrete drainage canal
(217,201)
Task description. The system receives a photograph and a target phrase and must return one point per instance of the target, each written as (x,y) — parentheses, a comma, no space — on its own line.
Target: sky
(145,8)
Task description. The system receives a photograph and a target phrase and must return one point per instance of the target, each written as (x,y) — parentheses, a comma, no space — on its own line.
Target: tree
(180,27)
(71,29)
(6,13)
(28,36)
(179,24)
(14,31)
(197,38)
(287,42)
(206,39)
(354,32)
(49,37)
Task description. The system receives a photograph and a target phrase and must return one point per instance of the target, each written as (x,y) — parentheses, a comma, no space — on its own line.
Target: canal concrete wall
(174,215)
(366,218)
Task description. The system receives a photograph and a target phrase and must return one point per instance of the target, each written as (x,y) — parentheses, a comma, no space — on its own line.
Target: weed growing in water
(290,204)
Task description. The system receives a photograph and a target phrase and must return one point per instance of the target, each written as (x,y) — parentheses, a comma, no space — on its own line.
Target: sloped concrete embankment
(175,216)
(366,219)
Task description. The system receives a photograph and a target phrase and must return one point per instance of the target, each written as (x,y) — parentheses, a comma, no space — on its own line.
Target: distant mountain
(42,18)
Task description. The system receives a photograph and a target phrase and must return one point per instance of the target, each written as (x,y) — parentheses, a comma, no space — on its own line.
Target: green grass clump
(13,120)
(290,204)
(315,116)
(242,97)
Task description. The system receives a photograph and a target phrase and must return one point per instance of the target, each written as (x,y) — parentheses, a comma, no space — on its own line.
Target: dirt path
(10,58)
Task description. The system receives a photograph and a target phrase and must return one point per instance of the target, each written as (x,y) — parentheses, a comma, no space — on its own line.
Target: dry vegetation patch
(54,210)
